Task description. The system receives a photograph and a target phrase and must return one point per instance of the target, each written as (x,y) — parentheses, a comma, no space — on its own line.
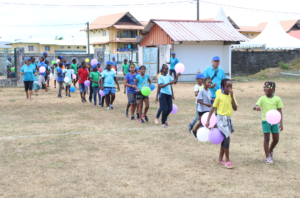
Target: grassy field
(52,147)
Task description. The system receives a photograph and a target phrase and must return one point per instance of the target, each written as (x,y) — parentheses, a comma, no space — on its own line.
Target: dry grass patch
(116,157)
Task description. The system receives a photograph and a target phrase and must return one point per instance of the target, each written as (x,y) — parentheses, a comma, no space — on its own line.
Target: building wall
(156,37)
(68,48)
(251,35)
(42,48)
(247,63)
(36,47)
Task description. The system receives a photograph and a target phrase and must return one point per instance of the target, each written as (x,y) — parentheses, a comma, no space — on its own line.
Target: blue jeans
(173,71)
(167,105)
(160,109)
(91,91)
(95,92)
(196,118)
(82,88)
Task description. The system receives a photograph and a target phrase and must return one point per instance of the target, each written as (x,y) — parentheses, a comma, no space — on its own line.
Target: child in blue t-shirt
(165,82)
(141,81)
(60,79)
(108,80)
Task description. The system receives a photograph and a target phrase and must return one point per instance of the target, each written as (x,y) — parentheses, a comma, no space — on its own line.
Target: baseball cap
(45,53)
(173,53)
(61,57)
(216,58)
(67,63)
(113,57)
(98,63)
(200,75)
(26,59)
(94,66)
(9,57)
(108,63)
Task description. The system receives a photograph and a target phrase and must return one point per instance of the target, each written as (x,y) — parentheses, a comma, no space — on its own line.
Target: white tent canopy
(272,37)
(221,16)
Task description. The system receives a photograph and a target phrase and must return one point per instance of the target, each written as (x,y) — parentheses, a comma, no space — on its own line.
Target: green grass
(12,100)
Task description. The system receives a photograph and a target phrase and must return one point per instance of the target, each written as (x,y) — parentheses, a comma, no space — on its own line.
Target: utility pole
(88,36)
(73,44)
(198,10)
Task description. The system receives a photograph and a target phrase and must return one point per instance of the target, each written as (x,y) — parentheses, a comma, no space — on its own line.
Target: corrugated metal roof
(199,30)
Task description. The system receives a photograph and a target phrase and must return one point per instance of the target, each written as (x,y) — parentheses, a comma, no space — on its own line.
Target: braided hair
(270,84)
(223,83)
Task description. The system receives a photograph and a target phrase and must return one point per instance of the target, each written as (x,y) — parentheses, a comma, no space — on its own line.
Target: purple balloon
(101,93)
(94,62)
(215,136)
(174,109)
(87,83)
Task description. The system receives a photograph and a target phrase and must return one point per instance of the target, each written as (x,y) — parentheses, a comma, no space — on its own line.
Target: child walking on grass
(267,103)
(204,103)
(226,103)
(141,81)
(95,81)
(60,79)
(68,73)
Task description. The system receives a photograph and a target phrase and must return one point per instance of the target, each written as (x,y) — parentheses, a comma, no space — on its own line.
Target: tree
(59,38)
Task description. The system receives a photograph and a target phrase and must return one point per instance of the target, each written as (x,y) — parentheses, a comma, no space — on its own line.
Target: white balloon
(66,79)
(202,134)
(51,75)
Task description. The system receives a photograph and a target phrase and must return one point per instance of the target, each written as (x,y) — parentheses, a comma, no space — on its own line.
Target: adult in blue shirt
(114,64)
(173,61)
(216,74)
(28,73)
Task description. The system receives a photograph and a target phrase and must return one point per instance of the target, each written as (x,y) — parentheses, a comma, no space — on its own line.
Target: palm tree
(59,38)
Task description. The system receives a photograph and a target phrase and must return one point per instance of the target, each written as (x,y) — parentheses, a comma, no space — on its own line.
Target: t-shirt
(209,72)
(42,64)
(55,69)
(83,74)
(68,74)
(28,73)
(95,76)
(74,67)
(196,88)
(125,68)
(224,104)
(33,65)
(109,78)
(60,72)
(142,81)
(115,65)
(173,62)
(162,80)
(204,96)
(268,104)
(131,80)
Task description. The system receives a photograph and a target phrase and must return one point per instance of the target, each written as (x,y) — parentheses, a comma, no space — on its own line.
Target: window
(62,47)
(104,33)
(47,48)
(30,48)
(246,35)
(252,34)
(126,46)
(126,33)
(77,47)
(69,47)
(84,47)
(133,33)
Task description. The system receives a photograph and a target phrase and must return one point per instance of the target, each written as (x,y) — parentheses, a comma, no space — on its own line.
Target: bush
(283,66)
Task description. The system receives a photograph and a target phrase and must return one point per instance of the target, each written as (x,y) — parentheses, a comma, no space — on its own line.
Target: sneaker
(137,116)
(111,106)
(126,113)
(269,160)
(59,97)
(82,100)
(132,117)
(167,123)
(95,104)
(141,121)
(107,108)
(146,118)
(156,121)
(194,133)
(164,126)
(100,105)
(271,155)
(90,100)
(190,127)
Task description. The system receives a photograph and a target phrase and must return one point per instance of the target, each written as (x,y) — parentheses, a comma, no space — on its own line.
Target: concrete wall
(247,63)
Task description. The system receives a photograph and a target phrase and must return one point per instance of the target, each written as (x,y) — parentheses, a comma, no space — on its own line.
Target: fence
(7,66)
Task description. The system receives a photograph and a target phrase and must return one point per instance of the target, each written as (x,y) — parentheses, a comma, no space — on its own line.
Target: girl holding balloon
(270,118)
(165,82)
(68,78)
(226,103)
(42,73)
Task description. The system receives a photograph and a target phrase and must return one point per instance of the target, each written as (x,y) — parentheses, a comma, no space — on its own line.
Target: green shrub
(283,66)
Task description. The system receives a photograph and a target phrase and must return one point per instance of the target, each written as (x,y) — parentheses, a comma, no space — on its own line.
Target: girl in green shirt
(74,67)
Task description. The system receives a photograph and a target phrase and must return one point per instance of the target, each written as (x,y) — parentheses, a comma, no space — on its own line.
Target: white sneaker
(156,121)
(107,108)
(111,106)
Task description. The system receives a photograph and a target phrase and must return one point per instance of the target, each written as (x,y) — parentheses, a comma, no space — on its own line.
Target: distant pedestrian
(28,77)
(173,61)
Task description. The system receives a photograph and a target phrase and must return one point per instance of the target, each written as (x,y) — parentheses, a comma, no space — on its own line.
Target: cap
(200,75)
(61,57)
(42,56)
(67,63)
(113,57)
(94,66)
(98,63)
(173,53)
(9,57)
(108,63)
(216,58)
(26,59)
(45,53)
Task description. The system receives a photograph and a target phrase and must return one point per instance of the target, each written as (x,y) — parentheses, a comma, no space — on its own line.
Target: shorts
(42,79)
(131,98)
(201,113)
(82,88)
(139,96)
(267,128)
(108,90)
(48,77)
(68,83)
(55,77)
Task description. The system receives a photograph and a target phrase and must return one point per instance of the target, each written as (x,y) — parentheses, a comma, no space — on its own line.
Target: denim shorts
(82,87)
(108,90)
(139,96)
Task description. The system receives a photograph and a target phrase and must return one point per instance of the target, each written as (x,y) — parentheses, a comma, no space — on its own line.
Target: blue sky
(13,16)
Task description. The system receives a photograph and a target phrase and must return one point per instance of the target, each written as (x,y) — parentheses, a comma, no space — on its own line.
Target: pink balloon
(57,61)
(101,93)
(215,136)
(179,68)
(42,69)
(273,116)
(73,76)
(94,62)
(87,83)
(174,109)
(212,121)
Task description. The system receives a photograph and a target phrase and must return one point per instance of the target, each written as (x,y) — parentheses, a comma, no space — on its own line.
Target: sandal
(229,165)
(222,163)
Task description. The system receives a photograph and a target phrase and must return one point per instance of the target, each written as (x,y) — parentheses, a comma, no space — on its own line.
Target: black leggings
(225,142)
(28,85)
